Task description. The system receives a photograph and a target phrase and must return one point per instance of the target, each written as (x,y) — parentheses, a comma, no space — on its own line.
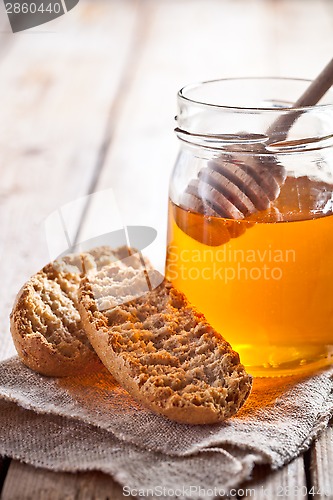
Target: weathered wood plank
(79,88)
(56,93)
(285,483)
(181,44)
(24,482)
(321,468)
(321,454)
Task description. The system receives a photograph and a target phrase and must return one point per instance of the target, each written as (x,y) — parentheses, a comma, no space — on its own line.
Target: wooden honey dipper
(236,184)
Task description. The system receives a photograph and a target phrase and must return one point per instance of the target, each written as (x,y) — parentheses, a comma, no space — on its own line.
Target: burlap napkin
(90,422)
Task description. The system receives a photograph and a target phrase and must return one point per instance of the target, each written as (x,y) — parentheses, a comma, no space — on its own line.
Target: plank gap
(307,471)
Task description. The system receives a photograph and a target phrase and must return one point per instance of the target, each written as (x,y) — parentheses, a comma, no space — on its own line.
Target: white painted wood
(24,482)
(106,74)
(303,37)
(56,93)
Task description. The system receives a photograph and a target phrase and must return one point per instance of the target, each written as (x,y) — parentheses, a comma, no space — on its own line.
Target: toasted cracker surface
(45,324)
(162,351)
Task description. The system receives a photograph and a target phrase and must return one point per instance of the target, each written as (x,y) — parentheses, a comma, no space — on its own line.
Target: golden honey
(266,283)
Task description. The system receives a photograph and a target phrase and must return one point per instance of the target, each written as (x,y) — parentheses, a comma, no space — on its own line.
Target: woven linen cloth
(89,422)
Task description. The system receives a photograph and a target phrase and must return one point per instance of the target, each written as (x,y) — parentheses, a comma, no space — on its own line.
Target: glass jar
(257,261)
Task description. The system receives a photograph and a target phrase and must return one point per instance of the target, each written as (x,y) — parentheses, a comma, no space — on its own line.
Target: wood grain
(87,103)
(286,483)
(322,465)
(25,482)
(56,93)
(179,45)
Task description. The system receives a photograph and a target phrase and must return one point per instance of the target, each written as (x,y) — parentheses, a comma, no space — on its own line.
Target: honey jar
(259,266)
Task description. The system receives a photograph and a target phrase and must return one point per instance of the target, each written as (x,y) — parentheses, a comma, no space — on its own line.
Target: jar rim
(182,96)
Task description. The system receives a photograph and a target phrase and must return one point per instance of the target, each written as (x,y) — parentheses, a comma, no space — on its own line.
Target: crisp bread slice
(45,324)
(160,348)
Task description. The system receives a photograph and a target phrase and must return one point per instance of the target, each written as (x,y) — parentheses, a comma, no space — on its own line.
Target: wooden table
(87,103)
